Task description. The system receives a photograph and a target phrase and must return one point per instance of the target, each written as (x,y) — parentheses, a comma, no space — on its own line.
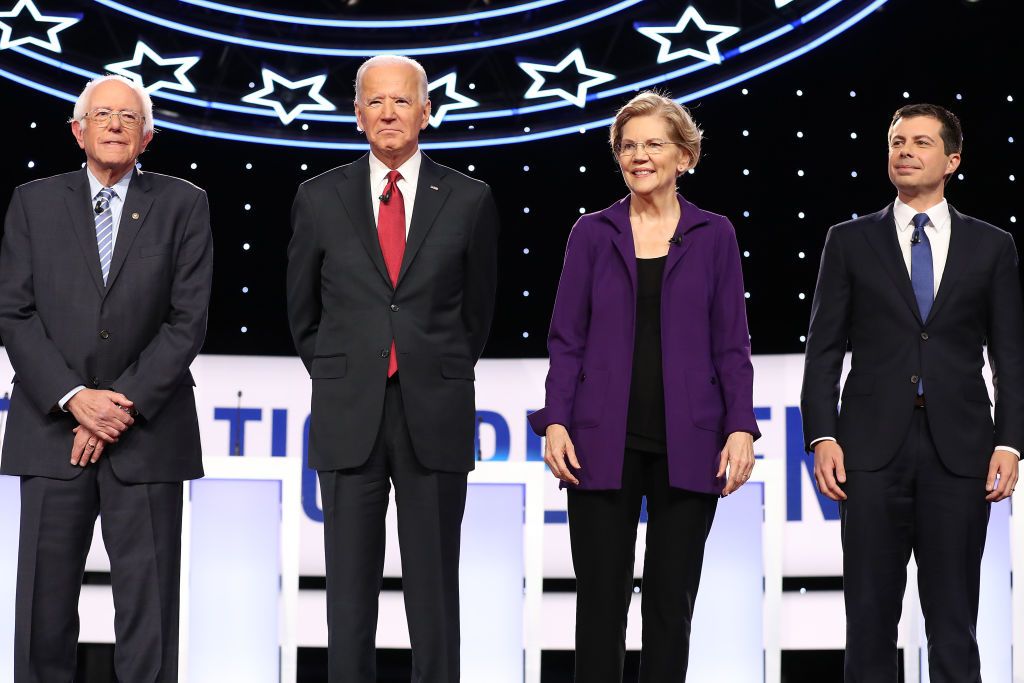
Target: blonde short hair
(682,128)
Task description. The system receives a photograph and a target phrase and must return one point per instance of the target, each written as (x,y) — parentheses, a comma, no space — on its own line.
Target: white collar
(410,170)
(938,215)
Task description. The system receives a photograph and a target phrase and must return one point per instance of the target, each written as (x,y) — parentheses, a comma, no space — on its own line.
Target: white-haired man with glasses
(105,278)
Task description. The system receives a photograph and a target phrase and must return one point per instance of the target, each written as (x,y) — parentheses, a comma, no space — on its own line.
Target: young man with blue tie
(920,292)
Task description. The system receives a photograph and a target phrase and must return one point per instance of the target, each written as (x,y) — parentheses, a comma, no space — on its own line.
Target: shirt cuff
(67,397)
(822,438)
(1011,450)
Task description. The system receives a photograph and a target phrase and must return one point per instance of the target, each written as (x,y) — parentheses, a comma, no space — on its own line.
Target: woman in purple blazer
(649,393)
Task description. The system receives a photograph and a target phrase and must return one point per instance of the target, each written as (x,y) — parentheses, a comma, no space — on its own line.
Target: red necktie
(391,232)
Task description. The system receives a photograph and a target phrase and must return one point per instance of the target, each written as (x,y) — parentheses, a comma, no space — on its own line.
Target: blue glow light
(463,144)
(347,52)
(491,114)
(373,23)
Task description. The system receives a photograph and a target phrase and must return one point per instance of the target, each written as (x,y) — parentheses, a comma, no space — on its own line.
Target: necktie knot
(921,220)
(105,195)
(393,178)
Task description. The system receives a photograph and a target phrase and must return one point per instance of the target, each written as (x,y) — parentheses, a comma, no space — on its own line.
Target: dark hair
(950,131)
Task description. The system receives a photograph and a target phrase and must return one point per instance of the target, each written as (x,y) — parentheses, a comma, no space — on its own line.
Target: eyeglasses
(653,147)
(127,117)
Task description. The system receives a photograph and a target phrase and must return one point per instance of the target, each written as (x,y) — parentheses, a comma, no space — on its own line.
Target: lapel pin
(135,216)
(433,187)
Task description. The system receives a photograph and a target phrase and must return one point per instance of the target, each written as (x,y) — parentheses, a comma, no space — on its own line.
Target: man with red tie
(391,282)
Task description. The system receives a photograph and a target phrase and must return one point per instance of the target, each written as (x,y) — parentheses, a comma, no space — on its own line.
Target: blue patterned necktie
(105,229)
(921,272)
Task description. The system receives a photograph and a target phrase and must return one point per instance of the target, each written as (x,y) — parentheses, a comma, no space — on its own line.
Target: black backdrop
(931,49)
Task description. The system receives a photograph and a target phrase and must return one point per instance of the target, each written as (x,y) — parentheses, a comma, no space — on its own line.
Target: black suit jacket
(137,335)
(864,297)
(344,312)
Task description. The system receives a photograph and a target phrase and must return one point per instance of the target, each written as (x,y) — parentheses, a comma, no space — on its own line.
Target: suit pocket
(859,385)
(977,392)
(332,367)
(591,396)
(454,367)
(707,407)
(148,250)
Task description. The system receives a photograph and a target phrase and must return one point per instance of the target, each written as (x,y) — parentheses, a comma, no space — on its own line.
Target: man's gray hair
(381,60)
(82,104)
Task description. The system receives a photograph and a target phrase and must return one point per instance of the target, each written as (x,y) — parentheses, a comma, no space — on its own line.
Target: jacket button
(384,353)
(95,382)
(914,379)
(104,334)
(714,380)
(924,335)
(583,377)
(394,308)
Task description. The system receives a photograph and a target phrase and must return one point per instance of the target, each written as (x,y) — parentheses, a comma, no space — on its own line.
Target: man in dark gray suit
(920,291)
(391,281)
(105,280)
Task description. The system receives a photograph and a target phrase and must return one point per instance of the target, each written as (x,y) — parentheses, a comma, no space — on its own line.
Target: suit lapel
(961,249)
(690,217)
(431,195)
(78,200)
(881,235)
(133,214)
(618,216)
(354,192)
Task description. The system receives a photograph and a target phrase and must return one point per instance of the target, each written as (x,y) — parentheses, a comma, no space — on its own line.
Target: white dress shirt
(938,230)
(116,204)
(410,171)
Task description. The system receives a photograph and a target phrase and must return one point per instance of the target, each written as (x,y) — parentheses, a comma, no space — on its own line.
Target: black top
(645,421)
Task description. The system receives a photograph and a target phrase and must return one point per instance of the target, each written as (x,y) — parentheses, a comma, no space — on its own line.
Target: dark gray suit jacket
(864,297)
(344,312)
(138,335)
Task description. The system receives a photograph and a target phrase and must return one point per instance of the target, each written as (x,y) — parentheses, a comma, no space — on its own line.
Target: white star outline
(314,83)
(461,101)
(52,43)
(144,51)
(665,53)
(536,72)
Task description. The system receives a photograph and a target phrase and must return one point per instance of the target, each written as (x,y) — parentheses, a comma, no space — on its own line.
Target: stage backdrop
(258,407)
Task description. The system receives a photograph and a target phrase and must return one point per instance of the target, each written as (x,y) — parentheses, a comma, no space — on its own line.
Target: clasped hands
(736,459)
(103,416)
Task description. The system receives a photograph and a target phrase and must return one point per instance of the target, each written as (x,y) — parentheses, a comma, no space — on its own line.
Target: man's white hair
(381,60)
(82,104)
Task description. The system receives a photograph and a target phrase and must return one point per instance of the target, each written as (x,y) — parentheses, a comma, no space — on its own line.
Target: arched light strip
(485,142)
(346,52)
(478,115)
(372,23)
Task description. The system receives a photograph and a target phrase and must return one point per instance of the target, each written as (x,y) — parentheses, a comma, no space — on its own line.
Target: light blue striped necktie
(105,229)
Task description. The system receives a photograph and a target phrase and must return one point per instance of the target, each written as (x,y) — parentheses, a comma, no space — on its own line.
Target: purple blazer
(708,376)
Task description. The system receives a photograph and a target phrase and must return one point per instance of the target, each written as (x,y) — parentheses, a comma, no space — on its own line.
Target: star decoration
(313,83)
(710,54)
(782,3)
(52,42)
(579,98)
(453,100)
(130,68)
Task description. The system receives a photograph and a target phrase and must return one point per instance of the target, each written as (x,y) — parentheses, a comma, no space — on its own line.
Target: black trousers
(142,535)
(913,504)
(602,531)
(430,507)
